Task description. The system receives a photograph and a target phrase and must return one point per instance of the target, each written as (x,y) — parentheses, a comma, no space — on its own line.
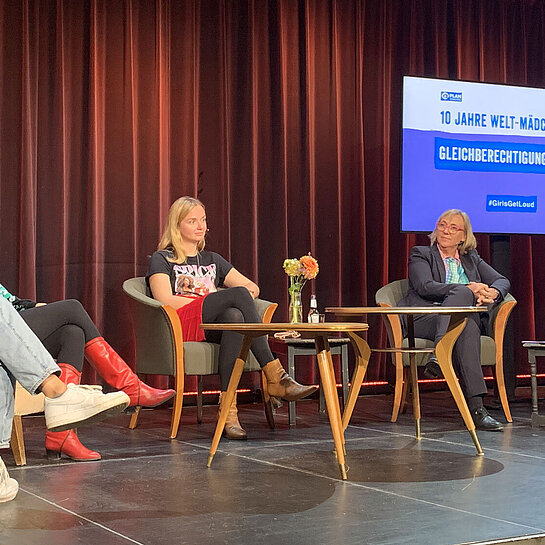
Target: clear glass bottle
(313,314)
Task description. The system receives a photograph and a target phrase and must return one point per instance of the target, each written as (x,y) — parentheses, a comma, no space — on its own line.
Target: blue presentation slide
(478,147)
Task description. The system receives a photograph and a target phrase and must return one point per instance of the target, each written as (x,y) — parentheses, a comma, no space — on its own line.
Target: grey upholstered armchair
(491,344)
(161,350)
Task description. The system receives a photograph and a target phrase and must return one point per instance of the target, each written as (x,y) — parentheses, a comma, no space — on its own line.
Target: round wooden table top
(263,329)
(436,309)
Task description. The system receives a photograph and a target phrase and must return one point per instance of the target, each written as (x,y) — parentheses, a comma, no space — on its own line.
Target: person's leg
(467,350)
(67,442)
(459,296)
(466,355)
(8,486)
(48,319)
(26,360)
(6,406)
(229,342)
(21,353)
(67,345)
(236,305)
(117,373)
(466,359)
(68,332)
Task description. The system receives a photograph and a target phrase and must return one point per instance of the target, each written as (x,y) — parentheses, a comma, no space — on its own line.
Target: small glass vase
(296,307)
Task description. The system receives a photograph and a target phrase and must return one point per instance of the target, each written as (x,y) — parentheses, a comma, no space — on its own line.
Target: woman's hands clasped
(483,293)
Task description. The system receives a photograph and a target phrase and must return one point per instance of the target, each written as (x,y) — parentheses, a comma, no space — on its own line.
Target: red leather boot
(119,375)
(67,442)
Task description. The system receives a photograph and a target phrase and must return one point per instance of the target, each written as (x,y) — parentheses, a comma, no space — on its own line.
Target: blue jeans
(23,358)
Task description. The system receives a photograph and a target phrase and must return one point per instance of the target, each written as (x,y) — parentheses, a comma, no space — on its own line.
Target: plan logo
(450,96)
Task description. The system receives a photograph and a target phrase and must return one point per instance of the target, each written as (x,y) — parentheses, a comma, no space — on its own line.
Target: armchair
(491,344)
(25,403)
(161,350)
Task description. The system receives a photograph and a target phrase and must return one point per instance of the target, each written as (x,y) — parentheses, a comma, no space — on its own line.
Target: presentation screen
(478,147)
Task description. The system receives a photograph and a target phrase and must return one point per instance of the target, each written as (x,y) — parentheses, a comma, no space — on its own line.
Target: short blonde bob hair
(171,238)
(469,243)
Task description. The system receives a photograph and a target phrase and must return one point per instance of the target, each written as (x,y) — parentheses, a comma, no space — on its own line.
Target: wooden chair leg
(178,404)
(267,407)
(398,388)
(500,381)
(18,441)
(199,398)
(134,418)
(405,389)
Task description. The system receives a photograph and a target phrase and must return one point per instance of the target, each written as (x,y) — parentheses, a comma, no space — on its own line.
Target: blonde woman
(181,253)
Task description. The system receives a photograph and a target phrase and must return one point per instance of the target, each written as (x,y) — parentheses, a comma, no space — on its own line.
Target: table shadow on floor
(377,465)
(227,489)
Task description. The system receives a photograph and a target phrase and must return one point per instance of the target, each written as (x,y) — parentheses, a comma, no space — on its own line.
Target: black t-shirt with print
(197,276)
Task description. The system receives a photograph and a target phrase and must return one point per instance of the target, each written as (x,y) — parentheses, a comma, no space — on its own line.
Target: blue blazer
(427,276)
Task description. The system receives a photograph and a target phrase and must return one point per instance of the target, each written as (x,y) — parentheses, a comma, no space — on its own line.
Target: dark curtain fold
(284,117)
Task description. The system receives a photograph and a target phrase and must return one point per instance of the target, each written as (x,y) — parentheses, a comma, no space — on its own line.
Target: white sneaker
(8,486)
(81,405)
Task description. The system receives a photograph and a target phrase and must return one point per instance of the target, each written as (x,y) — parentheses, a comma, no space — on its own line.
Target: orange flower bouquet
(299,271)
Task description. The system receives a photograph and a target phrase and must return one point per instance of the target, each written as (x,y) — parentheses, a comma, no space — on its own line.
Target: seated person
(25,359)
(68,333)
(185,276)
(450,272)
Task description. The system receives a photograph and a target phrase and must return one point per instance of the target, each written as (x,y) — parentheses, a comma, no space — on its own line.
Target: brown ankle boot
(281,385)
(233,429)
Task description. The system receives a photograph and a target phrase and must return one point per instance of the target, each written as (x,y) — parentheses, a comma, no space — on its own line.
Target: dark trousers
(64,327)
(233,305)
(466,356)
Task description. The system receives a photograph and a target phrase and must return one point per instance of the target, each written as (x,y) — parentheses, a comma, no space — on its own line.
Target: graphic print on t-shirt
(195,280)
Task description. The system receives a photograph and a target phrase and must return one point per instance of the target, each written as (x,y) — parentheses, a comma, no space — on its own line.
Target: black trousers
(233,305)
(466,355)
(64,327)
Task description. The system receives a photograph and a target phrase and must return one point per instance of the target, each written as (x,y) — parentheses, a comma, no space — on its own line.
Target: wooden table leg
(229,395)
(443,352)
(415,394)
(363,354)
(325,365)
(414,377)
(334,389)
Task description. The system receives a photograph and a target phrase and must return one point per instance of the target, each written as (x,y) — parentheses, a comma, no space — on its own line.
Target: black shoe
(483,421)
(432,369)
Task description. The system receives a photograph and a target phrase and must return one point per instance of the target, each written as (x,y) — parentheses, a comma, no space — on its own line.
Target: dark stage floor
(283,486)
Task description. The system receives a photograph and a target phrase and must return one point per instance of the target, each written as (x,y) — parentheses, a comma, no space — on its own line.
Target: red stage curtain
(282,116)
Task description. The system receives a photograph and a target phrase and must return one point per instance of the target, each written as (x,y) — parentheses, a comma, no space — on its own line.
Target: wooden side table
(535,350)
(443,352)
(320,333)
(306,347)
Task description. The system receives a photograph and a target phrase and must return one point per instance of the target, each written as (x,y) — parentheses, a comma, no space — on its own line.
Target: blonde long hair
(470,242)
(171,238)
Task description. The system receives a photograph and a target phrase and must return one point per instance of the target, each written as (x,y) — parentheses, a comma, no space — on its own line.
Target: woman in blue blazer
(450,272)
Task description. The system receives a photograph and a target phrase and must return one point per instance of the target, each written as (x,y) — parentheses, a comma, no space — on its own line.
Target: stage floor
(283,486)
